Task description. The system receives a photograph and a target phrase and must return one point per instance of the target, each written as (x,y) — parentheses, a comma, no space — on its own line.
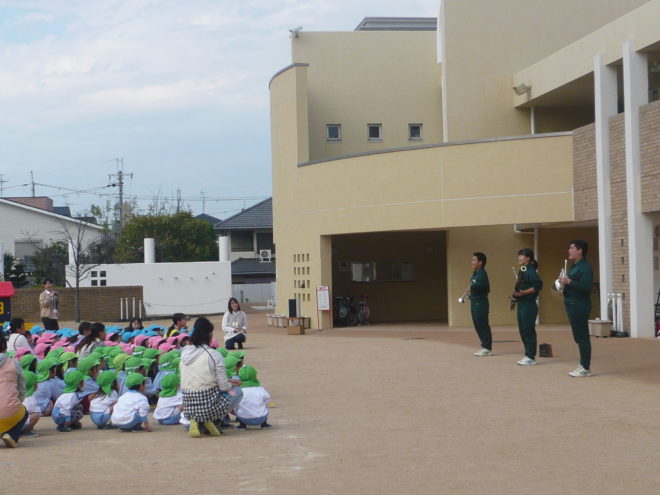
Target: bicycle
(363,312)
(345,312)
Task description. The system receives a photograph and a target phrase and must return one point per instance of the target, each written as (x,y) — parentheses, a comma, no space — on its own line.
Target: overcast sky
(177,88)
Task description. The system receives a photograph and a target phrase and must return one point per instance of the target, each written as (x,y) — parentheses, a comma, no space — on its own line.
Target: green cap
(114,351)
(86,364)
(230,365)
(248,376)
(237,354)
(119,361)
(223,351)
(10,353)
(134,379)
(66,357)
(169,385)
(71,381)
(151,353)
(43,369)
(56,352)
(146,362)
(105,381)
(26,361)
(138,351)
(30,382)
(133,363)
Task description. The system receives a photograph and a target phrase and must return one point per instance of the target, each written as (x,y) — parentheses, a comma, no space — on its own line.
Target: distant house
(27,224)
(208,218)
(252,253)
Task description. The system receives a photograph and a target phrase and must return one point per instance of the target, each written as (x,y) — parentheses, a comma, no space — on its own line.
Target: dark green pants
(578,316)
(479,310)
(527,312)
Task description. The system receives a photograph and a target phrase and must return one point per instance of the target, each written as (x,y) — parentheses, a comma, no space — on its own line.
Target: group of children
(118,375)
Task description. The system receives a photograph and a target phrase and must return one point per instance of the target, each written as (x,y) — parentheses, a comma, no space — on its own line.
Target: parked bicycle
(345,313)
(363,312)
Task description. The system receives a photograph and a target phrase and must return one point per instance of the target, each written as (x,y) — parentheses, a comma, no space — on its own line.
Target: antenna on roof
(295,32)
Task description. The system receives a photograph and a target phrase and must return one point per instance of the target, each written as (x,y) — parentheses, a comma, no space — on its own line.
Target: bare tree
(77,234)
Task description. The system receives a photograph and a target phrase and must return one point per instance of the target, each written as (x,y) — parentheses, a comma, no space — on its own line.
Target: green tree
(179,237)
(15,271)
(50,262)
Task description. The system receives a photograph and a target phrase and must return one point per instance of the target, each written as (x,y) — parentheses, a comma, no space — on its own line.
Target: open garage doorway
(404,274)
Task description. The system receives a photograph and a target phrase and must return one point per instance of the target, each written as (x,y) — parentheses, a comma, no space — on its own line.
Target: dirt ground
(389,409)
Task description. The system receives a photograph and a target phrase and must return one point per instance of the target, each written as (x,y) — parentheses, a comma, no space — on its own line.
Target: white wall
(193,288)
(253,293)
(18,223)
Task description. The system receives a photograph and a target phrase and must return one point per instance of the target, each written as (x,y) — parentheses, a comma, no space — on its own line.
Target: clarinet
(519,278)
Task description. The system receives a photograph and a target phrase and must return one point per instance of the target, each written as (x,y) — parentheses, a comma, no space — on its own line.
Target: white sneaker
(483,352)
(526,362)
(580,372)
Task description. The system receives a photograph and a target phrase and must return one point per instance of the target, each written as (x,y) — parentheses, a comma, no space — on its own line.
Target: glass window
(94,274)
(95,283)
(333,132)
(241,240)
(104,283)
(103,273)
(375,132)
(415,132)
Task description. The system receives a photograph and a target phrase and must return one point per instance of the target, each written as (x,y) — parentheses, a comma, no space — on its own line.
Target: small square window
(103,274)
(95,274)
(95,283)
(103,283)
(375,132)
(333,132)
(414,132)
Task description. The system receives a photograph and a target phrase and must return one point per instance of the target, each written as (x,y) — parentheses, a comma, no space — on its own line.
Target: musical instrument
(558,286)
(465,294)
(518,276)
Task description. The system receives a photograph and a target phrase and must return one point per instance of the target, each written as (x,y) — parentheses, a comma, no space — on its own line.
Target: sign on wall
(322,298)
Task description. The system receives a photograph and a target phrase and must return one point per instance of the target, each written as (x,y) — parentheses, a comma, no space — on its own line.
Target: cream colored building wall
(576,59)
(486,42)
(358,78)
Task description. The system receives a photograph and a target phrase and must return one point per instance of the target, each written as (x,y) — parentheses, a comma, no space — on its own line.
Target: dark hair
(529,253)
(480,257)
(139,320)
(94,330)
(136,387)
(16,323)
(47,280)
(116,337)
(85,326)
(178,317)
(582,246)
(3,343)
(231,300)
(201,332)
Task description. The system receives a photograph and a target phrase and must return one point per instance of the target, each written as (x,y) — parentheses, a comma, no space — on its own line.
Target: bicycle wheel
(352,319)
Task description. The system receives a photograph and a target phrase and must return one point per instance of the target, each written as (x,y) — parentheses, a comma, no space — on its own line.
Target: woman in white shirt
(234,325)
(17,337)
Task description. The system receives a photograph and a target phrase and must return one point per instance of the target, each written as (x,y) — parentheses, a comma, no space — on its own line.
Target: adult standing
(479,306)
(526,291)
(203,379)
(49,301)
(12,393)
(234,325)
(577,284)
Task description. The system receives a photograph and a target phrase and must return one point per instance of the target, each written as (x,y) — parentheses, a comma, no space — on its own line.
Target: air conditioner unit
(264,255)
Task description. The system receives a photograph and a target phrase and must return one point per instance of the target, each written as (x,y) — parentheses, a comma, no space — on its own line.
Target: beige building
(404,146)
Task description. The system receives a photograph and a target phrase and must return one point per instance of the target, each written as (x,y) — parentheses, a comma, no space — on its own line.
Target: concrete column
(640,226)
(605,91)
(223,246)
(2,261)
(149,250)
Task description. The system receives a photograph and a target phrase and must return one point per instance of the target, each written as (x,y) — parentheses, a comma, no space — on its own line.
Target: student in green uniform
(577,301)
(526,291)
(479,289)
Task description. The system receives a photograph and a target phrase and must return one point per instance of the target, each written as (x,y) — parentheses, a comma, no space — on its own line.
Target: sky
(178,90)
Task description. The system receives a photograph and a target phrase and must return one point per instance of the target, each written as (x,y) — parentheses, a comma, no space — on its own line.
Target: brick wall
(96,303)
(584,174)
(619,213)
(649,123)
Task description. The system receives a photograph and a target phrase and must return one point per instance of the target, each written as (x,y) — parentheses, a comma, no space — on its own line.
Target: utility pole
(2,183)
(120,183)
(32,177)
(178,200)
(203,201)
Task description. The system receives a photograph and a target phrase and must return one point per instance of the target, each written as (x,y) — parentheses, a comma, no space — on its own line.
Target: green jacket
(582,280)
(530,279)
(479,285)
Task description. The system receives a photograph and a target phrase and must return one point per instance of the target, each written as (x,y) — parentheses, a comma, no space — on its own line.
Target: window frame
(378,126)
(410,136)
(327,132)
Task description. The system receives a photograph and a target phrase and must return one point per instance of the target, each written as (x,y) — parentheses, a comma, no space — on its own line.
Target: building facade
(404,146)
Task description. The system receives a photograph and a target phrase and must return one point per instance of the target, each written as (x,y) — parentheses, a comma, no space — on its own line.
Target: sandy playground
(389,409)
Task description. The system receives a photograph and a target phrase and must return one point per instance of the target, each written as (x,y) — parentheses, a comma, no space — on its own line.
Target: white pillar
(2,261)
(223,245)
(605,91)
(640,226)
(149,251)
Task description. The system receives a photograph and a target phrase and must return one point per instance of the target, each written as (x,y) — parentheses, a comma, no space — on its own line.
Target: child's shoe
(265,424)
(9,441)
(210,427)
(241,426)
(63,428)
(75,425)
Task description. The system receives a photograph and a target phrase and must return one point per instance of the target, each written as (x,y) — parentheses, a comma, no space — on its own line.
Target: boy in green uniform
(527,291)
(479,289)
(577,301)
